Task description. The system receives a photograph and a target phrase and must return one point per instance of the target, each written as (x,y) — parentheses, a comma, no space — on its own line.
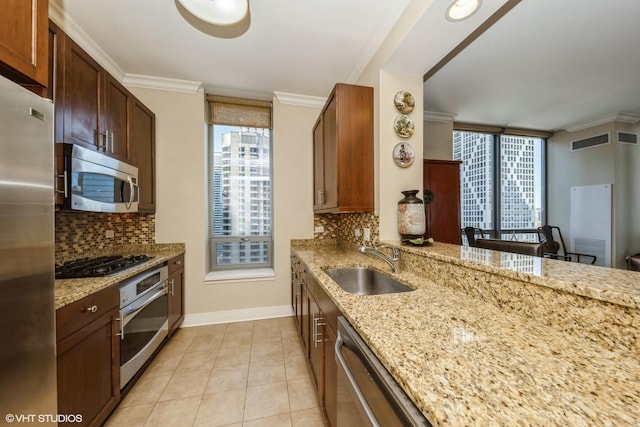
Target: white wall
(613,163)
(181,215)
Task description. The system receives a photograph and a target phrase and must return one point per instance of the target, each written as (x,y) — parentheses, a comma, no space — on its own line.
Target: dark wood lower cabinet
(89,371)
(176,290)
(330,376)
(316,320)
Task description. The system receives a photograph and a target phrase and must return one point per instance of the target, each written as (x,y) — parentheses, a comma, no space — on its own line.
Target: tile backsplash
(341,227)
(83,234)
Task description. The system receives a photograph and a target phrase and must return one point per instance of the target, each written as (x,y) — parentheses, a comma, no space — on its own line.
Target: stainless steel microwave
(98,183)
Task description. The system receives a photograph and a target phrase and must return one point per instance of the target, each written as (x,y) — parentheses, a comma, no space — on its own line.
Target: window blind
(225,110)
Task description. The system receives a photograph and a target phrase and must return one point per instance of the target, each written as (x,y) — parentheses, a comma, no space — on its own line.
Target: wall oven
(367,393)
(144,320)
(95,182)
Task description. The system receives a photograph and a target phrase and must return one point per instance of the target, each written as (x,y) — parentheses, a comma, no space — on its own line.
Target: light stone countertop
(465,361)
(67,291)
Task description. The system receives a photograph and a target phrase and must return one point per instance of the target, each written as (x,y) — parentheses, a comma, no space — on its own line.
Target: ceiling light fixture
(462,9)
(224,13)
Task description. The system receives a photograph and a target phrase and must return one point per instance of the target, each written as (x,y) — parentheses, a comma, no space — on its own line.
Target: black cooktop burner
(98,267)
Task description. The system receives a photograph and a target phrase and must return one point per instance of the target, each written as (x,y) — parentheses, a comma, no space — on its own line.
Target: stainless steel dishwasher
(367,393)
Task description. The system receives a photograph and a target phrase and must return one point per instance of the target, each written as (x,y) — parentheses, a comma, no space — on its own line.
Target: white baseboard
(216,317)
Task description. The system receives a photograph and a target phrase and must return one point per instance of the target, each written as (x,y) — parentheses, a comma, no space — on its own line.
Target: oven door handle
(354,385)
(136,306)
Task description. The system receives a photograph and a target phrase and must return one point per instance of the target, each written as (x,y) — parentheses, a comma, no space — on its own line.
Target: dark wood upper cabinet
(81,105)
(93,109)
(116,118)
(24,41)
(142,133)
(343,152)
(441,179)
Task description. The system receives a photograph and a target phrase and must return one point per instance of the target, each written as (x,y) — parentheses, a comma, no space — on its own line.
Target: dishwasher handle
(354,385)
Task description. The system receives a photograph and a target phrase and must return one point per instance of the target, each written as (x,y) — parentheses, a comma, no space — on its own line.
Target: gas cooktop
(98,267)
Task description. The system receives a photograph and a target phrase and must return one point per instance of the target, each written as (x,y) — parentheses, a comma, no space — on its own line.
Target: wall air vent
(590,142)
(627,138)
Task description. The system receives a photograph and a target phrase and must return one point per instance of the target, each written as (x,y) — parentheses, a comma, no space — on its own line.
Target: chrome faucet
(395,255)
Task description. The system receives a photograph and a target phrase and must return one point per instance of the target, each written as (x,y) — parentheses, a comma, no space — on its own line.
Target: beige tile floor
(243,374)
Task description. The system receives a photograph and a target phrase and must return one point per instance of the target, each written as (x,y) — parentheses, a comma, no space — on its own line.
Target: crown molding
(77,34)
(300,100)
(433,116)
(161,83)
(622,117)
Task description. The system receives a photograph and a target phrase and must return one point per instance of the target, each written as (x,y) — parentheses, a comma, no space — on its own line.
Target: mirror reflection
(568,69)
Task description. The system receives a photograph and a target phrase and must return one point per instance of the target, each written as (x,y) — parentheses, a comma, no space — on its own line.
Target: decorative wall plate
(403,126)
(404,102)
(403,154)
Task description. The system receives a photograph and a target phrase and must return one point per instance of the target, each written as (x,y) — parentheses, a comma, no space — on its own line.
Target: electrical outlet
(319,229)
(109,234)
(367,234)
(356,232)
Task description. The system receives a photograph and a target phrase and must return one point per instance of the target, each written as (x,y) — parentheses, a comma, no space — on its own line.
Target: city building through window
(240,194)
(502,183)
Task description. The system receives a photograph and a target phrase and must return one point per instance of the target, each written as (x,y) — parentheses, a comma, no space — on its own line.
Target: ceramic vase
(411,217)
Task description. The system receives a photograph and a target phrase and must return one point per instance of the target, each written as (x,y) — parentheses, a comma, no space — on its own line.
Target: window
(502,183)
(240,195)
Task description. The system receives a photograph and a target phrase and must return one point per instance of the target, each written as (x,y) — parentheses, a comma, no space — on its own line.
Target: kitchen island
(489,338)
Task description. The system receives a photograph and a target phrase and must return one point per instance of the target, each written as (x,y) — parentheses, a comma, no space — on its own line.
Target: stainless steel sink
(365,281)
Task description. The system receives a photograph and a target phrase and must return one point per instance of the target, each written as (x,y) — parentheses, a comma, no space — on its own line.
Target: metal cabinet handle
(112,144)
(317,321)
(172,283)
(320,197)
(92,309)
(64,182)
(178,263)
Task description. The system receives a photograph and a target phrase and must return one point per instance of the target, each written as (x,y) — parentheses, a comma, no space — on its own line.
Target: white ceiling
(547,64)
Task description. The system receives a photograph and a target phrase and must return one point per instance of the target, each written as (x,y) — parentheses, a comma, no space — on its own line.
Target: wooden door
(441,178)
(82,98)
(24,40)
(142,123)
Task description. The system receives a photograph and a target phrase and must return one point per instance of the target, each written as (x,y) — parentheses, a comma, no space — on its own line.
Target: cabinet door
(316,346)
(330,376)
(114,130)
(330,155)
(82,97)
(24,40)
(89,371)
(318,164)
(142,124)
(442,179)
(176,289)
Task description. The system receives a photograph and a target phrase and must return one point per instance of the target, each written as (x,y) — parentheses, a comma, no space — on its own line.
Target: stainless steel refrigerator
(27,312)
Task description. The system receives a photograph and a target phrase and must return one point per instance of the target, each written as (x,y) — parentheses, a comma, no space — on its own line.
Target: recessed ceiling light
(218,12)
(462,9)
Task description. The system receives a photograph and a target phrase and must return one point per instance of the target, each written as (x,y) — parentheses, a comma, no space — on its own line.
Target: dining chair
(555,248)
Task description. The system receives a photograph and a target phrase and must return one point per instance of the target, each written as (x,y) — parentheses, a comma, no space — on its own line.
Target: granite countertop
(67,291)
(613,285)
(465,361)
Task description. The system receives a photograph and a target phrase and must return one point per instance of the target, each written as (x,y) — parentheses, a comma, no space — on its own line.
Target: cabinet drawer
(76,315)
(176,263)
